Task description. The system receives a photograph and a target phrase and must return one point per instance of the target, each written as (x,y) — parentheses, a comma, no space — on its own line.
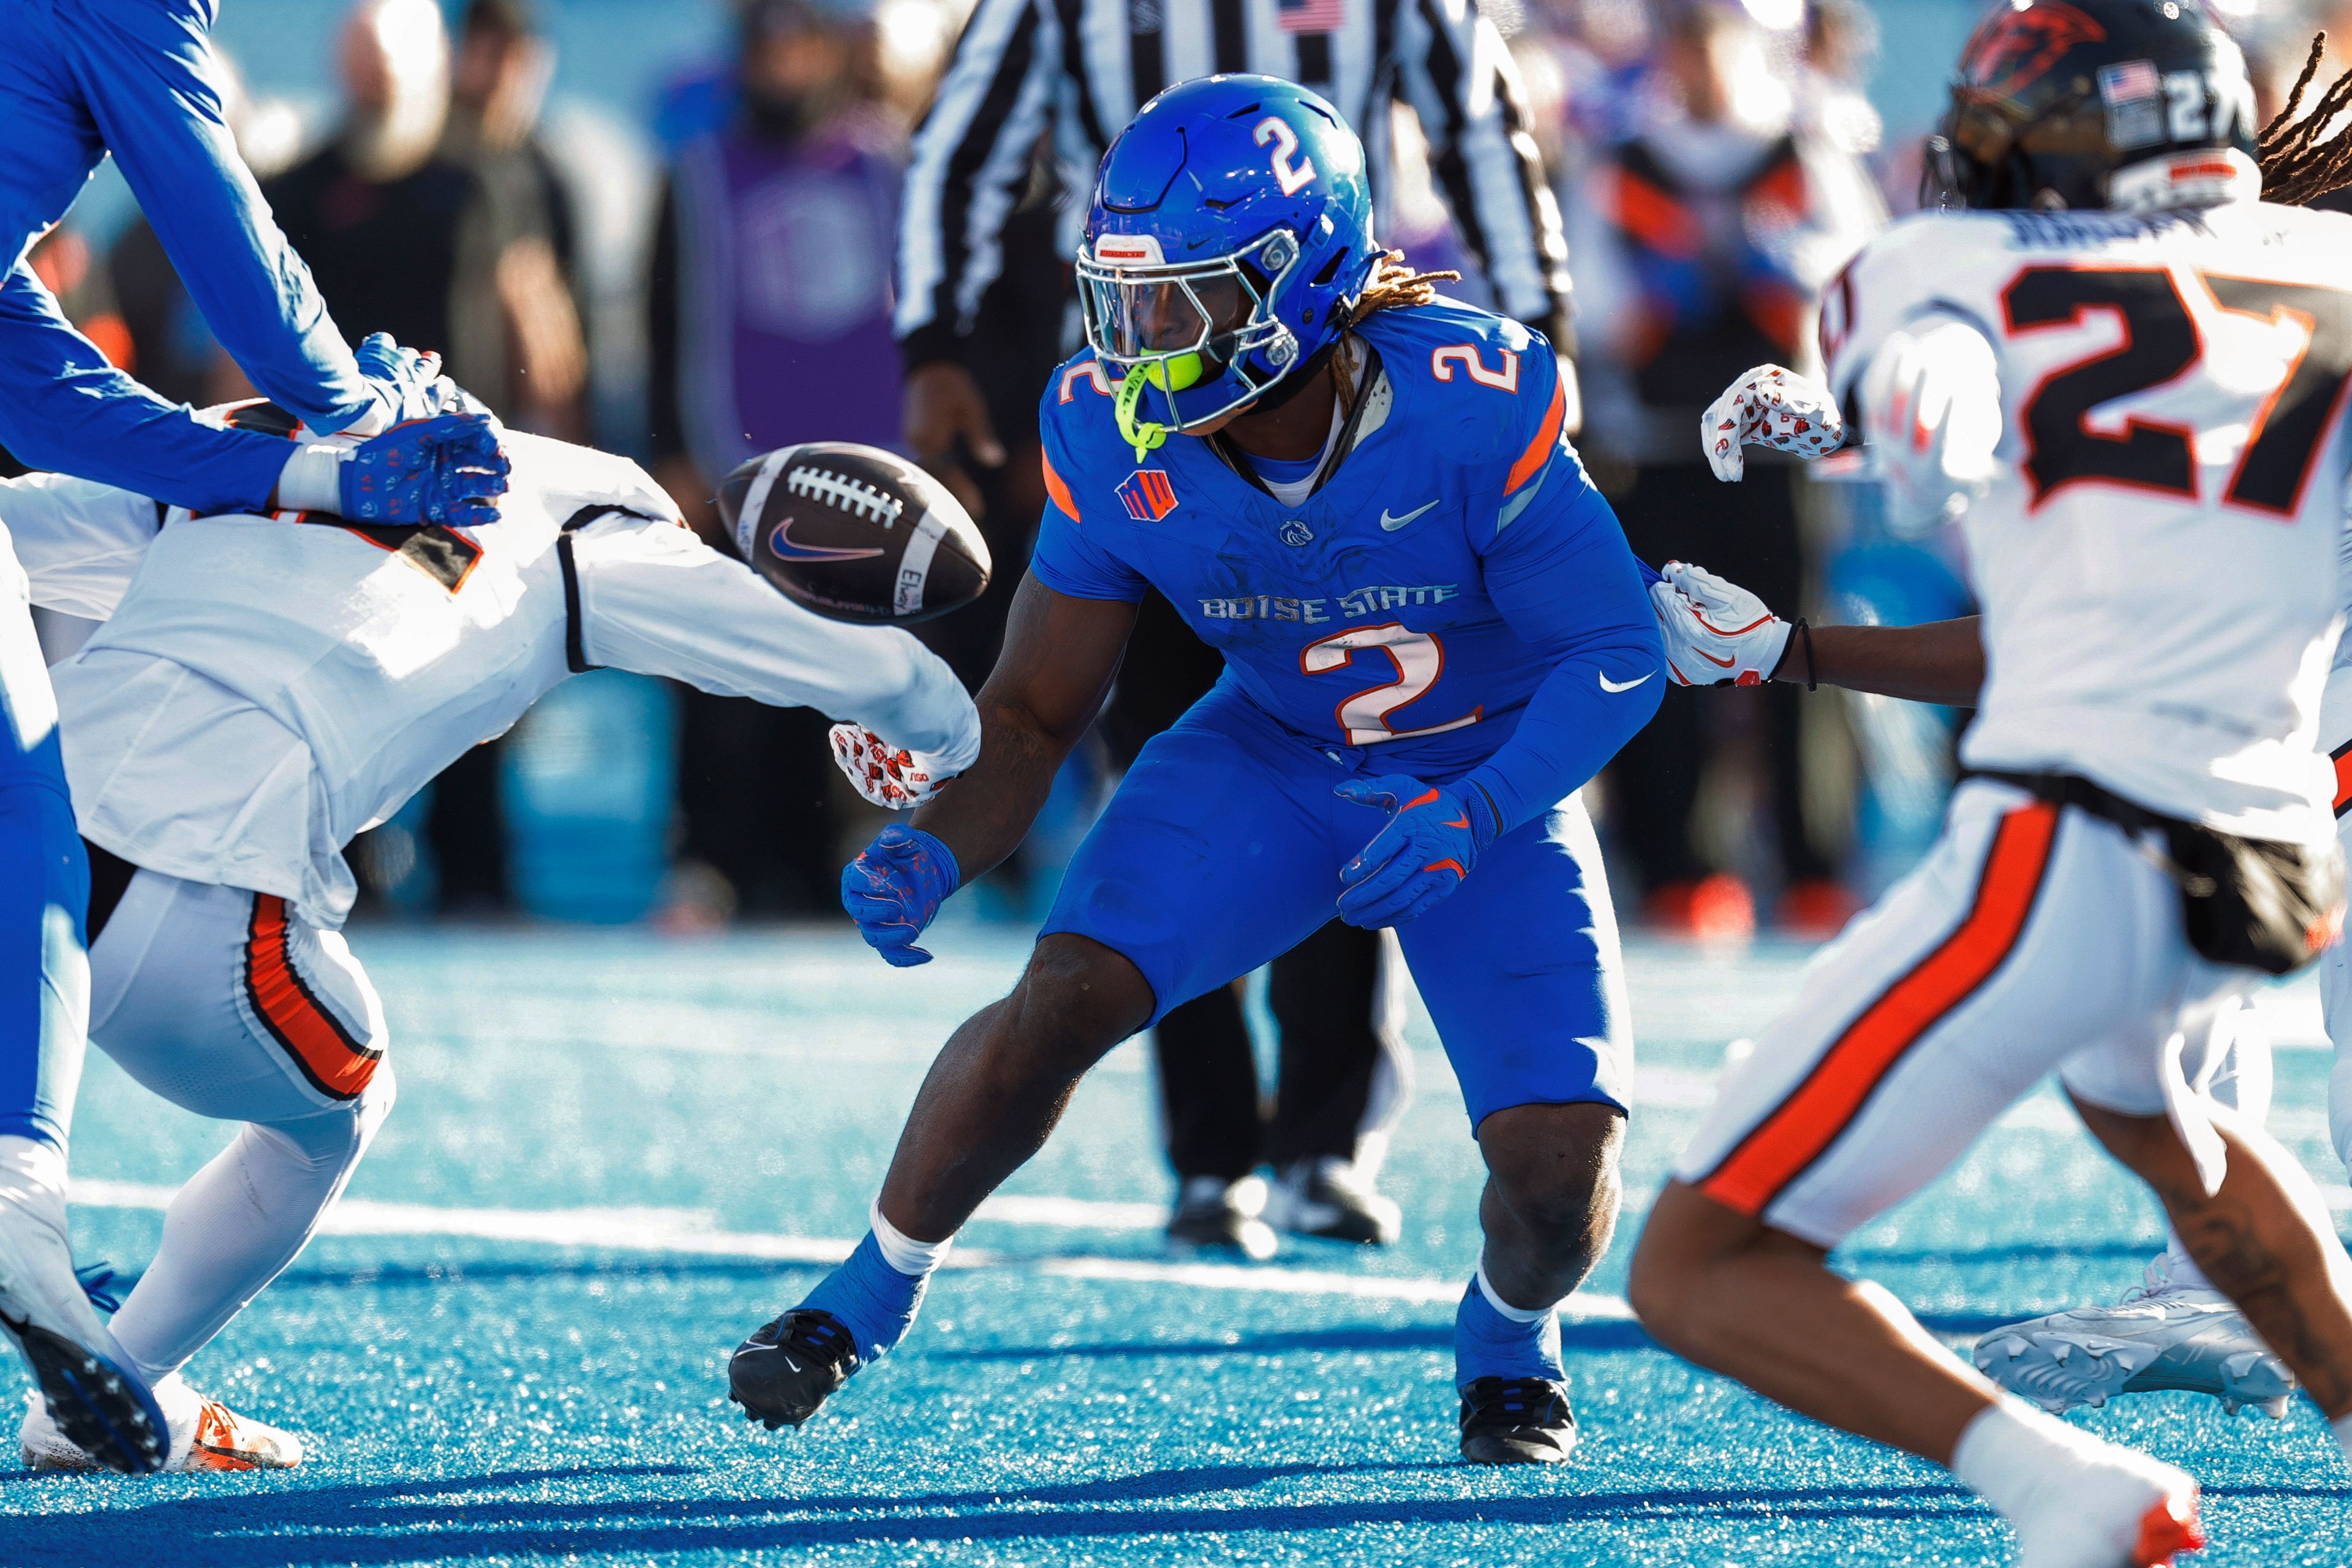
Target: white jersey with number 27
(2155,554)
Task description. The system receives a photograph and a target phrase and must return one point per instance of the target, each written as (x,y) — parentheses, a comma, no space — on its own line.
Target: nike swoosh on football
(785,547)
(1609,685)
(1392,523)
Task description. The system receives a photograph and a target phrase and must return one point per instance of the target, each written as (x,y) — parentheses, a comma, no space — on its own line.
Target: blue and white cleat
(83,1376)
(2161,1335)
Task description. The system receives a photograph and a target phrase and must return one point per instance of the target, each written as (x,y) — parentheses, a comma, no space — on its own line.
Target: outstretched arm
(146,73)
(1939,662)
(1718,634)
(1060,654)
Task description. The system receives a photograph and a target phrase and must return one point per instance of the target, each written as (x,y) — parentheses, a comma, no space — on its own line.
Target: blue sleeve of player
(1561,573)
(144,68)
(1066,560)
(63,406)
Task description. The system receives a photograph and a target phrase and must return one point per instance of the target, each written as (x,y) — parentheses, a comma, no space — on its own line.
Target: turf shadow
(370,1525)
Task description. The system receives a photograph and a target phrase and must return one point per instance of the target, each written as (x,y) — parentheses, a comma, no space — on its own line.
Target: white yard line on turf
(689,1232)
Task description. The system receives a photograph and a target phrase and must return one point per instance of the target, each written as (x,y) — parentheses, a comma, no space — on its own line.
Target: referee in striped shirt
(1083,68)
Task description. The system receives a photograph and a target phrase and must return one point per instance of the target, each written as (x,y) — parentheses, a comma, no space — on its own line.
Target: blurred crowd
(1715,161)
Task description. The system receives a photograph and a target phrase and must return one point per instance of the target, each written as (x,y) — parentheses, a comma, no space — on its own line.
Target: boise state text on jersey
(1361,616)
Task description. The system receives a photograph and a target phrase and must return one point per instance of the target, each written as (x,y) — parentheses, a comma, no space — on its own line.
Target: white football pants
(218,1000)
(2030,940)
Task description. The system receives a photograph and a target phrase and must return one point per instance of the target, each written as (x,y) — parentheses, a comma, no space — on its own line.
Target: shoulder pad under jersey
(1476,387)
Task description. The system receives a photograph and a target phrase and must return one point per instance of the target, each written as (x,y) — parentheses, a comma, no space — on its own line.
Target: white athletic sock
(2010,1454)
(2342,1427)
(915,1259)
(1495,1298)
(237,1223)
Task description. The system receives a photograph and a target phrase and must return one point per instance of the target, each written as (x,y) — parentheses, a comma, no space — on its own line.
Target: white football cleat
(84,1376)
(2121,1509)
(2160,1335)
(206,1436)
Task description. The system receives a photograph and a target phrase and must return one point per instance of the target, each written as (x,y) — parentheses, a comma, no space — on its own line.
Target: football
(855,533)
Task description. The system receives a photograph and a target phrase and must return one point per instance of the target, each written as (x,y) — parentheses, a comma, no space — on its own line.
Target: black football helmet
(2053,97)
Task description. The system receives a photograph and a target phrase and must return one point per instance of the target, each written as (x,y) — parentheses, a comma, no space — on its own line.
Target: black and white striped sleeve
(1458,75)
(963,177)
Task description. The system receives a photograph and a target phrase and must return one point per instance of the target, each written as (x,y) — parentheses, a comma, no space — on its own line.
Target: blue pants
(1222,851)
(44,897)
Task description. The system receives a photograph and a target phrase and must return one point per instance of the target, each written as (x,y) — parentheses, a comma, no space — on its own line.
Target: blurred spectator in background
(405,237)
(497,86)
(1704,231)
(769,323)
(1033,93)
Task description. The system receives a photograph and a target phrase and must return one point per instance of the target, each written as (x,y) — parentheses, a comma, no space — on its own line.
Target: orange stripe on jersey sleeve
(1819,1109)
(334,1062)
(1056,488)
(1538,452)
(2343,778)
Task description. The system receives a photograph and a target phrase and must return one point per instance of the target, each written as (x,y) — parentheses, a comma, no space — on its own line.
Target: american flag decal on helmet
(1149,495)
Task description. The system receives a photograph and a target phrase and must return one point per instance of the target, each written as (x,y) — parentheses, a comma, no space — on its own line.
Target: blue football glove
(1432,837)
(894,888)
(445,469)
(401,378)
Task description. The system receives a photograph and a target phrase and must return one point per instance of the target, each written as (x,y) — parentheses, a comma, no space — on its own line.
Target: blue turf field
(614,1153)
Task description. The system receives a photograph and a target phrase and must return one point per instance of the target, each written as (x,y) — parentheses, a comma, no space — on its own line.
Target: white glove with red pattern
(1716,631)
(891,776)
(1770,407)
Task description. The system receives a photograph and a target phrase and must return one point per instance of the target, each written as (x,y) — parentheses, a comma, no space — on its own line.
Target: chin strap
(1145,434)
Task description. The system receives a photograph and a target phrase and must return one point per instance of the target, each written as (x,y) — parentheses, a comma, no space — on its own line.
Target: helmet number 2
(1288,175)
(1419,659)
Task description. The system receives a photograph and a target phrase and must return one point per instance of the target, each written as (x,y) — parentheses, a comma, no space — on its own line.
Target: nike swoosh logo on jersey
(1392,524)
(781,543)
(1609,685)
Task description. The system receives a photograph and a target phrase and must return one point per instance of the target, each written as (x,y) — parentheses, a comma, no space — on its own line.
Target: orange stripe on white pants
(1809,1119)
(330,1057)
(2027,942)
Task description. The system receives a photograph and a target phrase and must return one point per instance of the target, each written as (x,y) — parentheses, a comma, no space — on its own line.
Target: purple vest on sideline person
(785,297)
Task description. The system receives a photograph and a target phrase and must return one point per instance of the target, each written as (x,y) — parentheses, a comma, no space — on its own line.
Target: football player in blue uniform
(79,78)
(1434,634)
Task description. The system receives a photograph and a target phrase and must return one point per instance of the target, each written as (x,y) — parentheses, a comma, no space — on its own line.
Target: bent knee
(1555,1166)
(1675,1284)
(335,1140)
(1078,999)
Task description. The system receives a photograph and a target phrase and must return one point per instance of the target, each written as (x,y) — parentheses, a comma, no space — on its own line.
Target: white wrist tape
(312,479)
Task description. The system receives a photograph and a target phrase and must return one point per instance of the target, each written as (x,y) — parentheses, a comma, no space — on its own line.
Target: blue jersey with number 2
(1456,594)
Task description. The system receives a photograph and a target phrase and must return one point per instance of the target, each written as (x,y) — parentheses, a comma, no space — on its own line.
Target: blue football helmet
(1230,225)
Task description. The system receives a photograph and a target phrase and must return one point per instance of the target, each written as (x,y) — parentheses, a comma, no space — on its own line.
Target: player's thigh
(1210,860)
(1522,975)
(2026,934)
(216,999)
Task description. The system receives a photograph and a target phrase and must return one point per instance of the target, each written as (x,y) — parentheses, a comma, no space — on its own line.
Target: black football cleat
(1516,1421)
(1329,1198)
(787,1368)
(1214,1217)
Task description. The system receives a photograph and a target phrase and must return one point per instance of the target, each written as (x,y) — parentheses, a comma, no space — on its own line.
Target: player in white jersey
(2125,376)
(262,693)
(2175,1330)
